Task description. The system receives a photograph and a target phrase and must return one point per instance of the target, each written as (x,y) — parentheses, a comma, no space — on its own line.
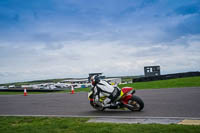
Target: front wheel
(97,107)
(135,104)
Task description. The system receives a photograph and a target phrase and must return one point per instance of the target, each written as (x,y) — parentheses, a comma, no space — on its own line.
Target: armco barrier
(167,76)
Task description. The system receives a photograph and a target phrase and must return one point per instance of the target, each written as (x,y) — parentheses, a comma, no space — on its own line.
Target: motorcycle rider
(103,88)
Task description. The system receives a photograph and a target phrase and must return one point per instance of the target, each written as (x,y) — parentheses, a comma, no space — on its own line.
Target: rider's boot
(106,103)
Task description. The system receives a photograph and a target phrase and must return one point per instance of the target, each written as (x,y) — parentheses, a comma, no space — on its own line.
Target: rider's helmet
(95,79)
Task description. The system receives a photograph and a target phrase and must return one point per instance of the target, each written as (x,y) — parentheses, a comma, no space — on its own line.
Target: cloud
(112,58)
(58,39)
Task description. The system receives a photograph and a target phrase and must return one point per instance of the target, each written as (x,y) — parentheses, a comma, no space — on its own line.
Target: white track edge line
(113,117)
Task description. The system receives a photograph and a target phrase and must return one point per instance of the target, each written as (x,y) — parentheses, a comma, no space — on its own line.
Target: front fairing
(90,95)
(126,94)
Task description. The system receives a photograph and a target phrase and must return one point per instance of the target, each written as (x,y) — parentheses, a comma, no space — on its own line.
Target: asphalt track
(173,102)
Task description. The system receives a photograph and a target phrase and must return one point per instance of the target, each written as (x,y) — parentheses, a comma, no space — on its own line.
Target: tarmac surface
(159,103)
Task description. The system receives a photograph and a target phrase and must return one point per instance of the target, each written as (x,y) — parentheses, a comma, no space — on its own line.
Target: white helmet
(95,79)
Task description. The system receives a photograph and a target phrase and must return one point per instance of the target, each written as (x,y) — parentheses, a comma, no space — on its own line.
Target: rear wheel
(135,104)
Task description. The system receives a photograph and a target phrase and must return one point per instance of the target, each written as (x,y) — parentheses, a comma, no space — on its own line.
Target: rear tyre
(135,104)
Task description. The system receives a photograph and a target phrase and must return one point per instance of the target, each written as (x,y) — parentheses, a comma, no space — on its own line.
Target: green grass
(79,90)
(63,91)
(171,83)
(80,125)
(22,93)
(35,82)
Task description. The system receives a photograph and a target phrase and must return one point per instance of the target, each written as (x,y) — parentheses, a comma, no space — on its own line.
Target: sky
(47,39)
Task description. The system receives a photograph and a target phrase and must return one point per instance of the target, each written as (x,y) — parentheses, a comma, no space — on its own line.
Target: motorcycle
(126,100)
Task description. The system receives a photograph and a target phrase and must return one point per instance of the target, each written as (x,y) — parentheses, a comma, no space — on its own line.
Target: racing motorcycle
(126,100)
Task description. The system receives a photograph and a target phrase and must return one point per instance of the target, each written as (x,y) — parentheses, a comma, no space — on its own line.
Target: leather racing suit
(103,88)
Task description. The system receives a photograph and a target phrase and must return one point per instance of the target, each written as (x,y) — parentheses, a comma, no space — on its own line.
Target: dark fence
(167,76)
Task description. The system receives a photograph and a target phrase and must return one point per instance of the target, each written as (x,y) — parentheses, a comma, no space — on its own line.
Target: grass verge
(171,83)
(79,90)
(63,91)
(80,125)
(22,93)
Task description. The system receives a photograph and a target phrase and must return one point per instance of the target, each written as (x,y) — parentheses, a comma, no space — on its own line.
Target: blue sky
(45,39)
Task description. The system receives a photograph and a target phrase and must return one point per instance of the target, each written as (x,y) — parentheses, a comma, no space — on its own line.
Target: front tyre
(135,103)
(97,107)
